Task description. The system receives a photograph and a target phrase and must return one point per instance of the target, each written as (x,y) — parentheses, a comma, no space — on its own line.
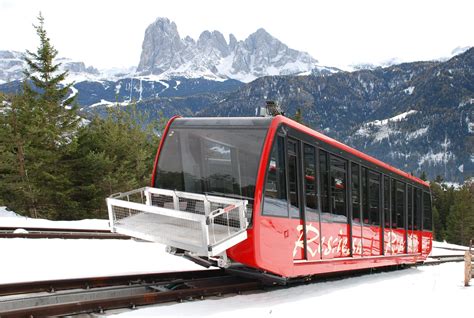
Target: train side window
(355,189)
(275,200)
(365,196)
(293,179)
(324,179)
(393,216)
(417,217)
(427,222)
(338,188)
(410,207)
(400,205)
(310,182)
(386,199)
(374,198)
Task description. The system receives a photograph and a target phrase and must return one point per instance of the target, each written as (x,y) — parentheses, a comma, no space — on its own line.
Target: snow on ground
(11,219)
(428,291)
(25,260)
(396,118)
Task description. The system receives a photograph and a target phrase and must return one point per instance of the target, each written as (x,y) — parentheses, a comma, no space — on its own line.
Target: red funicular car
(269,195)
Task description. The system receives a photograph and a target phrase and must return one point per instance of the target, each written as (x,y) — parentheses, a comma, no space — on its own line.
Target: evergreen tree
(423,176)
(39,127)
(114,154)
(460,223)
(298,116)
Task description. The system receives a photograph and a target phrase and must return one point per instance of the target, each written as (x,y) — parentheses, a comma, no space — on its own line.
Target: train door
(371,199)
(386,216)
(417,220)
(310,207)
(296,210)
(334,224)
(410,233)
(397,233)
(356,191)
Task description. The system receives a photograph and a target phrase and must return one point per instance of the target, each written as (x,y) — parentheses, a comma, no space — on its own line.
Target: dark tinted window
(324,178)
(386,201)
(393,215)
(355,189)
(417,214)
(410,208)
(275,202)
(220,161)
(427,221)
(365,196)
(374,198)
(293,177)
(310,181)
(399,214)
(338,186)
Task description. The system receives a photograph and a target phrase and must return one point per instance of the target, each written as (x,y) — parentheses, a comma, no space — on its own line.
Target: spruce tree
(460,222)
(113,154)
(39,127)
(298,116)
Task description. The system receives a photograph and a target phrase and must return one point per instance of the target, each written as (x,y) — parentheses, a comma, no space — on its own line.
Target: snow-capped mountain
(165,53)
(12,65)
(416,116)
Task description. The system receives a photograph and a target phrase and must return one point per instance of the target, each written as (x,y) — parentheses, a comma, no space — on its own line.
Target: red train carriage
(313,204)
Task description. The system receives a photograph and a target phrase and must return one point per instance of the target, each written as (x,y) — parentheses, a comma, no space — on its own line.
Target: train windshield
(215,160)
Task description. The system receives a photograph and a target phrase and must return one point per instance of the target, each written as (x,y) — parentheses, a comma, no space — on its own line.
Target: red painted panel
(296,231)
(396,237)
(413,242)
(426,243)
(387,237)
(334,240)
(277,244)
(356,240)
(313,241)
(372,243)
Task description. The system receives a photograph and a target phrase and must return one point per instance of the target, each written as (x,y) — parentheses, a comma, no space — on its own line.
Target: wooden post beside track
(468,258)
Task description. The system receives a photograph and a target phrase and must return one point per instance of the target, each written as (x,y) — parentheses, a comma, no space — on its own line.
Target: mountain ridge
(165,53)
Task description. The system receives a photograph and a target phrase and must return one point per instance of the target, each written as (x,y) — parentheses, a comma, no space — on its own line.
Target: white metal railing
(203,224)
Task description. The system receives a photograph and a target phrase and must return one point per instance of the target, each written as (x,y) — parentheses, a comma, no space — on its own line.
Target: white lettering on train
(339,245)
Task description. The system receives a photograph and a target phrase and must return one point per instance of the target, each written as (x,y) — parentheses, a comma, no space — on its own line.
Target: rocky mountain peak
(211,56)
(213,40)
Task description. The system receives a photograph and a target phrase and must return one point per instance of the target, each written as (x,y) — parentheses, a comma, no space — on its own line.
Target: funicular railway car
(298,202)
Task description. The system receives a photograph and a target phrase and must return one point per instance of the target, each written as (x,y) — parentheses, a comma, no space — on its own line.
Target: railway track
(62,233)
(440,259)
(98,294)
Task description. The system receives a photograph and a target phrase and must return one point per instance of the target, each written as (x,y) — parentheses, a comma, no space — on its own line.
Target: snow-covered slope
(428,291)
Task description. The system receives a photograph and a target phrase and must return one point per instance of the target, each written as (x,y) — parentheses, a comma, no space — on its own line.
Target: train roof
(208,122)
(267,122)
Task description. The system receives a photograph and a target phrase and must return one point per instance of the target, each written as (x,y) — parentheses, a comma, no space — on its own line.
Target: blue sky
(107,33)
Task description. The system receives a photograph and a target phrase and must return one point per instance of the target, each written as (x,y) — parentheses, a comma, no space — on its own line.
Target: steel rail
(66,235)
(103,281)
(62,233)
(175,286)
(145,289)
